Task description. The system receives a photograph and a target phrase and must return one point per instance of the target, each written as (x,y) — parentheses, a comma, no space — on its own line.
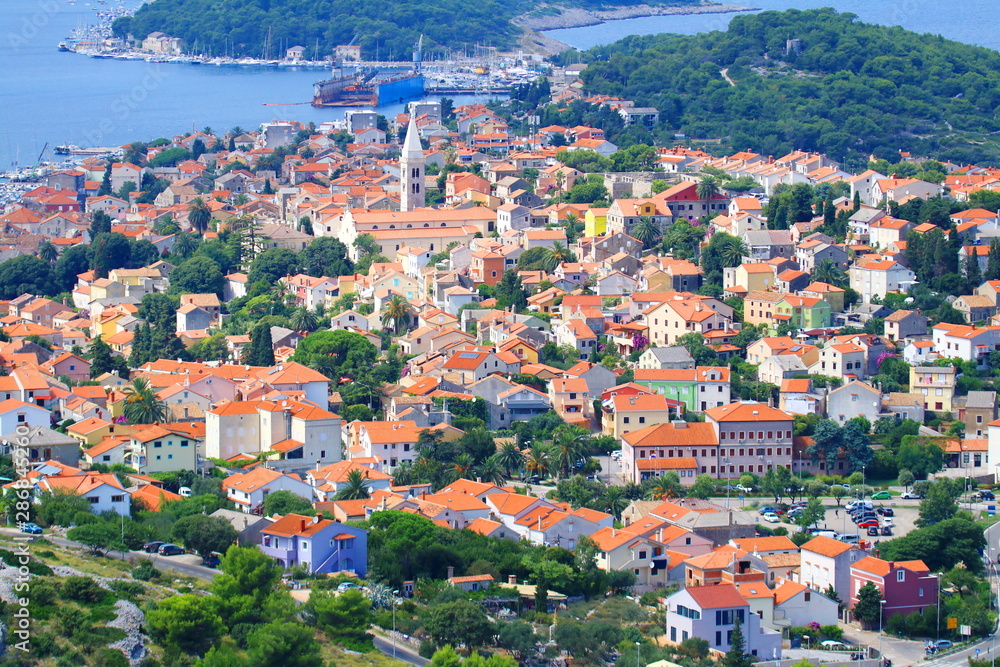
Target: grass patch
(335,655)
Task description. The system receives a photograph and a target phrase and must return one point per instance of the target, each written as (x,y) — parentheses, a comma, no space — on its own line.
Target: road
(403,653)
(177,564)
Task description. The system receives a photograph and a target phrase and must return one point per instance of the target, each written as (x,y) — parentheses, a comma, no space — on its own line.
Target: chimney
(512,579)
(539,523)
(451,572)
(614,532)
(317,518)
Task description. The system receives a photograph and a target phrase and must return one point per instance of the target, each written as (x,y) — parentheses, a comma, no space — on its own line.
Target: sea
(48,98)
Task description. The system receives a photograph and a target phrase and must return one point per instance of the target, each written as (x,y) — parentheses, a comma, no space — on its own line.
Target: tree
(938,505)
(838,492)
(97,537)
(111,251)
(396,314)
(905,479)
(47,252)
(812,514)
(187,623)
(260,351)
(246,587)
(459,622)
(355,486)
(326,256)
(868,608)
(517,637)
(284,643)
(857,445)
(737,656)
(510,458)
(101,360)
(558,254)
(272,265)
(343,618)
(27,274)
(510,293)
(830,273)
(828,439)
(708,188)
(72,262)
(973,274)
(204,534)
(199,214)
(732,250)
(142,405)
(184,245)
(666,486)
(197,275)
(303,319)
(646,231)
(703,487)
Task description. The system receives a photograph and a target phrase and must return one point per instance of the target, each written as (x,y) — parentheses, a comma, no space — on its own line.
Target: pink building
(906,586)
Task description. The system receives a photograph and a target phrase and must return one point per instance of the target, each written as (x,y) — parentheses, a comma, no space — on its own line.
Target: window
(305,546)
(625,420)
(901,575)
(117,499)
(157,444)
(642,420)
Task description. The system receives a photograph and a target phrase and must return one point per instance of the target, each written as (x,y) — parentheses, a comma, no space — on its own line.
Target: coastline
(574,17)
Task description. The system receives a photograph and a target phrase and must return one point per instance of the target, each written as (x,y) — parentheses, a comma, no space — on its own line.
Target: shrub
(427,649)
(145,571)
(83,590)
(834,632)
(650,599)
(127,589)
(798,631)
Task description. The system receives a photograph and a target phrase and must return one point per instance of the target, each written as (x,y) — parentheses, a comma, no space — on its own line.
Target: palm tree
(538,460)
(708,188)
(356,486)
(510,458)
(403,474)
(491,472)
(48,252)
(558,254)
(664,488)
(615,501)
(646,231)
(396,313)
(827,271)
(184,245)
(236,131)
(461,468)
(733,251)
(199,214)
(303,319)
(142,406)
(567,447)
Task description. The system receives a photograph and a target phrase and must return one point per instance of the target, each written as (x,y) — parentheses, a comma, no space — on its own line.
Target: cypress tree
(993,263)
(260,352)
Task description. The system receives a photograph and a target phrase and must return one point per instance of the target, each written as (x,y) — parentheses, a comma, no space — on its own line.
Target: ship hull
(349,92)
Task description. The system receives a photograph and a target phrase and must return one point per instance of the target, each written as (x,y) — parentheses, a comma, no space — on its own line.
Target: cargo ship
(367,90)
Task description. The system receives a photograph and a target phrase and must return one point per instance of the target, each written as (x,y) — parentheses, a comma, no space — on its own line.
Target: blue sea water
(55,98)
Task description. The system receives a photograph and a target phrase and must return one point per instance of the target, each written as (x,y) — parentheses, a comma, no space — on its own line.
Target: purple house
(906,585)
(321,545)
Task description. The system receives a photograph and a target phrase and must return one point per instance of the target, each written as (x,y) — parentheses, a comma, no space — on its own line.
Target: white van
(832,534)
(850,539)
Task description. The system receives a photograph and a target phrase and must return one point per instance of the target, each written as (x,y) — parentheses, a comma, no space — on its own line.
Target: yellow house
(525,352)
(936,384)
(103,288)
(105,325)
(755,276)
(657,280)
(92,431)
(636,411)
(545,301)
(595,222)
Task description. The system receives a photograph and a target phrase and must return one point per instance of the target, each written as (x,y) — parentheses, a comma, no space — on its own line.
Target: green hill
(850,90)
(241,27)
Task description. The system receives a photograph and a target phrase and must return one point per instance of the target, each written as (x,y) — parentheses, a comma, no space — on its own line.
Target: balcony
(287,556)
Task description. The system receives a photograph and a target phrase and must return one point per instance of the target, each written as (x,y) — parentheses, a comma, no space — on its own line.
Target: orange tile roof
(880,567)
(747,412)
(775,543)
(714,597)
(825,546)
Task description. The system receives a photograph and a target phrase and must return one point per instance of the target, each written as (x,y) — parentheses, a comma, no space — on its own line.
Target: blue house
(323,546)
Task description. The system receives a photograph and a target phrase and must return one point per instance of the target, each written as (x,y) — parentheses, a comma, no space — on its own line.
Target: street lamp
(881,616)
(806,637)
(638,648)
(394,594)
(937,578)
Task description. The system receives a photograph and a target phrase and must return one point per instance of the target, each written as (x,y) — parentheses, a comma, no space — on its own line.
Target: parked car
(983,495)
(766,509)
(744,489)
(771,517)
(943,643)
(829,643)
(346,586)
(212,561)
(152,547)
(881,495)
(170,550)
(887,522)
(868,523)
(887,531)
(865,517)
(910,495)
(885,511)
(31,528)
(873,532)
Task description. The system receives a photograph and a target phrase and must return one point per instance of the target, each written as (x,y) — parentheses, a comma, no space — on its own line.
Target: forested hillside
(850,90)
(242,27)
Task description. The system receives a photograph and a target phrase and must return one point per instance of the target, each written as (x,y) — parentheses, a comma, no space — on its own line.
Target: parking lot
(905,514)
